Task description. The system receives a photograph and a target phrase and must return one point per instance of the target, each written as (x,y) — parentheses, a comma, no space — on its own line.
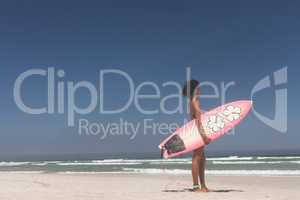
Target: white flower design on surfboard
(232,113)
(215,123)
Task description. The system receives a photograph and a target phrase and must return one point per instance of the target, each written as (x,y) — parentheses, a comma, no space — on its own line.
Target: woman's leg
(195,166)
(202,162)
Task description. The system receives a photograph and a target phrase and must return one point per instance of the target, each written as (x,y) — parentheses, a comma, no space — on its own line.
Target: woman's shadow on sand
(191,190)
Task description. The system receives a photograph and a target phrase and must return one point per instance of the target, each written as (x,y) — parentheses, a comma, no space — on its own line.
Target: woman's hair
(189,88)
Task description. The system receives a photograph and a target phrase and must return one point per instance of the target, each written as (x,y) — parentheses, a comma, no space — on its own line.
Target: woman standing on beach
(192,91)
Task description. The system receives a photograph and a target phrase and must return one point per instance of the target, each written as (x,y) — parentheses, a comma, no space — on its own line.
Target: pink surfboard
(216,123)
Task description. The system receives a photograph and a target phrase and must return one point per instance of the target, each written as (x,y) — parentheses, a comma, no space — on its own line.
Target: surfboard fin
(162,151)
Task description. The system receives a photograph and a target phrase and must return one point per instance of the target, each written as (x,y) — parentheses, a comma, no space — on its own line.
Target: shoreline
(167,172)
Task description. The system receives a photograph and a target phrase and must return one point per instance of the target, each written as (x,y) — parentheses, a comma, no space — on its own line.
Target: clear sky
(222,41)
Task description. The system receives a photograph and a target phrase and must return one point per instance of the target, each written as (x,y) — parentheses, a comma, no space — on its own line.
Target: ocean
(229,165)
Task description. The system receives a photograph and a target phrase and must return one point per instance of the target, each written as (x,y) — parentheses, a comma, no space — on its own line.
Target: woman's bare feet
(202,189)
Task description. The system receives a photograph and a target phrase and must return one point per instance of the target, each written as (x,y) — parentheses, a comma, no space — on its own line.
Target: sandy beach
(37,186)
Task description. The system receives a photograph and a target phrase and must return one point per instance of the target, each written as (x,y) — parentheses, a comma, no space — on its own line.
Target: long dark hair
(189,88)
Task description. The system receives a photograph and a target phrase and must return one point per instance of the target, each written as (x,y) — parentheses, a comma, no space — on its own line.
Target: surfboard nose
(245,103)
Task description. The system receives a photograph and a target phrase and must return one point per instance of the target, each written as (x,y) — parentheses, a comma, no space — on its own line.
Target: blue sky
(221,41)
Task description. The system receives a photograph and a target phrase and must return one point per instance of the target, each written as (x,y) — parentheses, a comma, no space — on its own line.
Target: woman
(192,91)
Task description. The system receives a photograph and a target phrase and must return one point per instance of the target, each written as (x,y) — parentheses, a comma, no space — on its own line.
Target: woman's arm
(196,105)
